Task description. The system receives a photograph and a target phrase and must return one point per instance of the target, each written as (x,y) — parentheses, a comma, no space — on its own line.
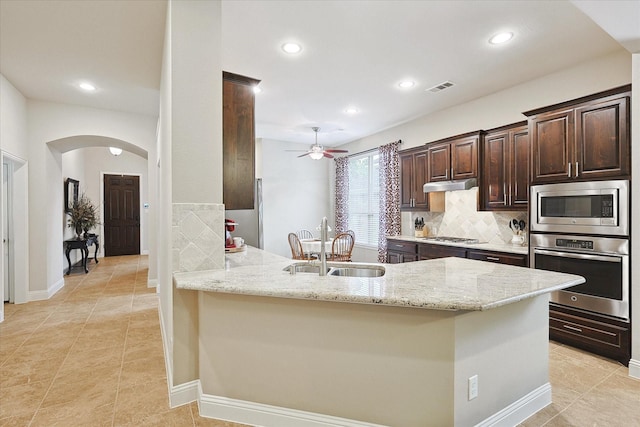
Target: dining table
(313,246)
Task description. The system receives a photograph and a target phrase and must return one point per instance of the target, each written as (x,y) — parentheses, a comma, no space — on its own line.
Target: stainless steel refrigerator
(250,220)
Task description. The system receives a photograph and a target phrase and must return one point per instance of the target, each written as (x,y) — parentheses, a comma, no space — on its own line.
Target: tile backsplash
(198,235)
(462,219)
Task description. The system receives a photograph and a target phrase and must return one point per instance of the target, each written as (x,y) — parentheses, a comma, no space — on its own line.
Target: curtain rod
(371,149)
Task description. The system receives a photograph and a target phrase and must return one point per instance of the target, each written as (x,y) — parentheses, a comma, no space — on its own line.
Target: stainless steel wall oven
(583,228)
(602,261)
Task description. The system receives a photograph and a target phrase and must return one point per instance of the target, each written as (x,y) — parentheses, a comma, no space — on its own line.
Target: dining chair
(296,247)
(341,247)
(305,234)
(353,234)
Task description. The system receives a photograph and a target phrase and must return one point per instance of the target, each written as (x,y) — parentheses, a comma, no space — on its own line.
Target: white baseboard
(184,393)
(268,416)
(251,413)
(521,409)
(634,368)
(45,295)
(152,283)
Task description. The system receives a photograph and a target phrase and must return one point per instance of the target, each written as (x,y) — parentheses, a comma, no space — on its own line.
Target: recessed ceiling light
(501,38)
(406,84)
(291,47)
(256,89)
(87,87)
(351,110)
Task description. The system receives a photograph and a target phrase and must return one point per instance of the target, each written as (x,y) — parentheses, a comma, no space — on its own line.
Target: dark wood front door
(121,215)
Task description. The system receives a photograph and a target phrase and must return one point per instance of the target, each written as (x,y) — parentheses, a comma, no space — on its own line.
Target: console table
(82,244)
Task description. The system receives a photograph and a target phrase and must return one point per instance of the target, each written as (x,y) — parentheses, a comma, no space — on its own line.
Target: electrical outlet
(473,387)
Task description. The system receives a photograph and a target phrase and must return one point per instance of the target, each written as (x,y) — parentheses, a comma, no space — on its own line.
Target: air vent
(441,86)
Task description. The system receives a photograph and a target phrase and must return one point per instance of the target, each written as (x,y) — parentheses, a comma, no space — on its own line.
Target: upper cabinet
(413,174)
(238,141)
(414,166)
(454,158)
(584,139)
(504,176)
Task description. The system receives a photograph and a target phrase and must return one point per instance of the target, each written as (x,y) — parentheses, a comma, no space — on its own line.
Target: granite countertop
(498,247)
(438,284)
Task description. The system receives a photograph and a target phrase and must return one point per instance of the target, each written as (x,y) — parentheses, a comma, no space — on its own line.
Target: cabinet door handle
(492,258)
(569,170)
(572,328)
(577,169)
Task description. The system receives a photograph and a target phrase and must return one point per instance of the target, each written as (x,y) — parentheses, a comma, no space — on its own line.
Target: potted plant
(83,216)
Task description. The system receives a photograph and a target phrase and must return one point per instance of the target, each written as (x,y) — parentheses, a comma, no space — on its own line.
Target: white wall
(13,117)
(295,192)
(50,122)
(190,157)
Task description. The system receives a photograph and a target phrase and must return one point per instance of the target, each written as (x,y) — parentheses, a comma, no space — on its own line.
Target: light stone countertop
(438,284)
(498,247)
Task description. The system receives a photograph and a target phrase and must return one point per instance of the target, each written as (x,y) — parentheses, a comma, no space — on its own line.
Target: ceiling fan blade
(327,155)
(305,154)
(336,151)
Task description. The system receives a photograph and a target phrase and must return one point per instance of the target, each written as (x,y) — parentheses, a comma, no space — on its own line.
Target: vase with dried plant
(83,216)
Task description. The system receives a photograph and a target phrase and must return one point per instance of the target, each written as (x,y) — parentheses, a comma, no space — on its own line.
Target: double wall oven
(583,228)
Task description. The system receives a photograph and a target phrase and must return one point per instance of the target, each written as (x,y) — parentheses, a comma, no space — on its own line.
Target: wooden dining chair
(341,247)
(305,234)
(353,234)
(296,247)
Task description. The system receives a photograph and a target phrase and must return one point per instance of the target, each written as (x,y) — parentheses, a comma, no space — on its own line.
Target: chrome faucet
(323,254)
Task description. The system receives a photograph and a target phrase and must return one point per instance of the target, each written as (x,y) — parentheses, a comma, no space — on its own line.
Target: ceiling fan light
(316,155)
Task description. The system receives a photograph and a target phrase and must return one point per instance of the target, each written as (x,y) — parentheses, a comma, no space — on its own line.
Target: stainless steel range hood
(462,184)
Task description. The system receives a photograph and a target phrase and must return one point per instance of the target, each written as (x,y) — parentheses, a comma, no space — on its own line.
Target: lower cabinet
(399,251)
(592,332)
(499,257)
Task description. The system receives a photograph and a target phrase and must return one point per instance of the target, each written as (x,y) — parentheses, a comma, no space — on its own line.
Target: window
(364,195)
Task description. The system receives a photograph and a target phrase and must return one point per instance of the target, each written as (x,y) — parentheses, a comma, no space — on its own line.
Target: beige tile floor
(92,356)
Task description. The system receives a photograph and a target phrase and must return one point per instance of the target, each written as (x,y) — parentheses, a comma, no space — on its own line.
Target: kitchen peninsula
(405,349)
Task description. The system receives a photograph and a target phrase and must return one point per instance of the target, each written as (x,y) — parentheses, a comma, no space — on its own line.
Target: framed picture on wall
(71,187)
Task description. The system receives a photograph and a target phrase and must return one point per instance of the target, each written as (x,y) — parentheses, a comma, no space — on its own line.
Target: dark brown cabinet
(429,251)
(504,177)
(584,139)
(399,251)
(238,136)
(592,332)
(413,174)
(499,257)
(454,158)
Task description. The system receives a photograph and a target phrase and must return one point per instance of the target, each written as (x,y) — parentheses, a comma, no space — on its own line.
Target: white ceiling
(354,54)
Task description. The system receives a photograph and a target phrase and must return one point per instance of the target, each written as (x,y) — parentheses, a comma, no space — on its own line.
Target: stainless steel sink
(337,270)
(360,271)
(304,268)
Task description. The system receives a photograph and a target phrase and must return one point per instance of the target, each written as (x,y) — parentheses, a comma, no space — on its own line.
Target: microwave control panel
(574,244)
(606,206)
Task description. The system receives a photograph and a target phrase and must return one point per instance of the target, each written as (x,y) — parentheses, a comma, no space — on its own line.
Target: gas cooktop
(448,239)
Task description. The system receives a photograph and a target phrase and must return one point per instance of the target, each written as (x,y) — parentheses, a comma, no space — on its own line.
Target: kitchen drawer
(401,246)
(589,331)
(429,251)
(499,257)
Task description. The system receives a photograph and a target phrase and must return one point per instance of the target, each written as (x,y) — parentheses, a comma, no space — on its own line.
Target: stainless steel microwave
(591,207)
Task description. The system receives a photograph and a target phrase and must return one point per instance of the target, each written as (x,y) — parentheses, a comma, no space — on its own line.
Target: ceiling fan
(316,152)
